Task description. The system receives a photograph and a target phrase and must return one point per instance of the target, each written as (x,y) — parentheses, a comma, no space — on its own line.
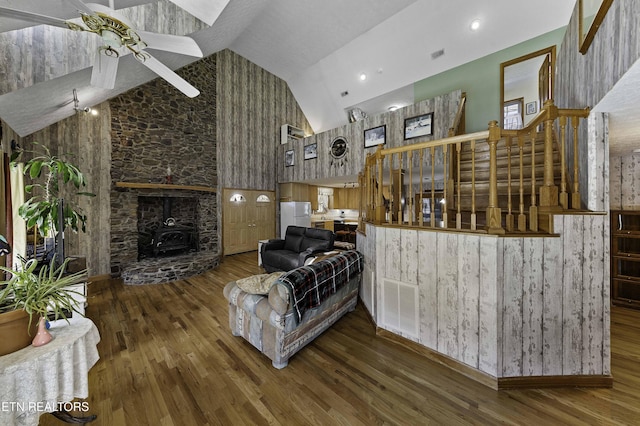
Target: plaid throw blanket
(313,284)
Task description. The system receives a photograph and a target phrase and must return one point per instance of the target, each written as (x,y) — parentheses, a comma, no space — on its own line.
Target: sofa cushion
(283,260)
(258,284)
(279,298)
(317,239)
(293,238)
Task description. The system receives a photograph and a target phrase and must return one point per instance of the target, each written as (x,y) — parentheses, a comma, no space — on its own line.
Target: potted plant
(28,298)
(46,209)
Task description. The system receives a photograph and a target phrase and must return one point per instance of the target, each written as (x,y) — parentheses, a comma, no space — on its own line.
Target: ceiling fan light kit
(118,39)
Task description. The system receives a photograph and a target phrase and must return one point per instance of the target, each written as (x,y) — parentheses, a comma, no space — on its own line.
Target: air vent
(437,54)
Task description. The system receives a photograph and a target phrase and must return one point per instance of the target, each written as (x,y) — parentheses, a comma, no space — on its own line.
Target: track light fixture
(76,105)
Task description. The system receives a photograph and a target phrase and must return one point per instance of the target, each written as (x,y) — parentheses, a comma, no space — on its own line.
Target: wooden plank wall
(85,140)
(625,181)
(325,166)
(252,104)
(508,307)
(583,80)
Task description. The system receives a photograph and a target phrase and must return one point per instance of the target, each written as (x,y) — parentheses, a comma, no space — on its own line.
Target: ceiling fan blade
(171,43)
(81,6)
(205,10)
(104,71)
(171,77)
(33,17)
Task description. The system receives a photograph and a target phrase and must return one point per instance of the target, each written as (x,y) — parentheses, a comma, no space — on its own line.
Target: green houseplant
(46,209)
(30,296)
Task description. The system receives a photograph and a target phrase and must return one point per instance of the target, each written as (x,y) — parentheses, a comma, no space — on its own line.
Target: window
(263,199)
(237,198)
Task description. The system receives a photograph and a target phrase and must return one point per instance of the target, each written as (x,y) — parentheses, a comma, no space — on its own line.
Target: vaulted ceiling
(320,48)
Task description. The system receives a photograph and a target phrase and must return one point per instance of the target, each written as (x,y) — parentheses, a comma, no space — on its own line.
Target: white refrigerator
(294,213)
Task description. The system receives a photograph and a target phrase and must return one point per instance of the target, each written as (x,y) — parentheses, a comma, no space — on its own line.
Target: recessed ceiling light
(475,24)
(363,77)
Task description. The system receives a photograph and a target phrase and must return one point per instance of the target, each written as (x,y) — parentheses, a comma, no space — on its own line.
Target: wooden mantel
(140,185)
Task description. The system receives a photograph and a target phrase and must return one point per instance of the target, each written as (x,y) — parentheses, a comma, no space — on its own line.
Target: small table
(47,378)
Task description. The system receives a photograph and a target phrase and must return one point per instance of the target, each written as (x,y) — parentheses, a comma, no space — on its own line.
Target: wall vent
(437,54)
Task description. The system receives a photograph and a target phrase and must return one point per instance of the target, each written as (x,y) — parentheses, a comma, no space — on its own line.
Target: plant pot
(14,333)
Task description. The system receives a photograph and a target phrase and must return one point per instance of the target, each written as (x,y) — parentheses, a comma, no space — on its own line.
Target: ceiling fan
(118,39)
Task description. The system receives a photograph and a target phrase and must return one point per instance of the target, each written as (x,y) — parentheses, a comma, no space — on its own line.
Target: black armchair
(298,245)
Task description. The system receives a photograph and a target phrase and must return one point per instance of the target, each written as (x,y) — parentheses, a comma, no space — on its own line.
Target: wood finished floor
(168,358)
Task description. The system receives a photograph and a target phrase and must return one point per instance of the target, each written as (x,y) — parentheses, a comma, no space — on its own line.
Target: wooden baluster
(445,215)
(533,209)
(420,213)
(549,190)
(362,188)
(494,214)
(458,214)
(522,219)
(432,208)
(575,196)
(400,183)
(367,194)
(391,193)
(509,219)
(564,197)
(380,208)
(410,211)
(473,186)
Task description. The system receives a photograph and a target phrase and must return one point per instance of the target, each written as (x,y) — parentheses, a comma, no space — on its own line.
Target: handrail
(453,130)
(451,140)
(418,185)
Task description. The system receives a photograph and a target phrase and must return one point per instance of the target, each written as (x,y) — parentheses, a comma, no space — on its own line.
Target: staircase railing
(427,185)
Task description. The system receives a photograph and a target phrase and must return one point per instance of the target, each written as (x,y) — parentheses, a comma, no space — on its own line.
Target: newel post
(549,190)
(494,214)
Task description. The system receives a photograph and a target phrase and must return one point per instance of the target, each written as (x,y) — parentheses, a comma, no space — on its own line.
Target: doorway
(248,216)
(525,84)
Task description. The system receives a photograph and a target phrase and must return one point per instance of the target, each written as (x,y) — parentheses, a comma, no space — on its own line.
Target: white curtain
(19,226)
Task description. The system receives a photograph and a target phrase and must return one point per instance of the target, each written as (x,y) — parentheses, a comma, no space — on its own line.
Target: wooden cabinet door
(313,197)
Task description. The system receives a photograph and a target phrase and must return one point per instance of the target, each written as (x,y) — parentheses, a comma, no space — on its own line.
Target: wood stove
(171,236)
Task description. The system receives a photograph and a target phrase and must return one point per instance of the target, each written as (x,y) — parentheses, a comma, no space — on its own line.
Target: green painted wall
(480,79)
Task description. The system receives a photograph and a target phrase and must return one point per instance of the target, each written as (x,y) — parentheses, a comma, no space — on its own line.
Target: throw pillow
(258,284)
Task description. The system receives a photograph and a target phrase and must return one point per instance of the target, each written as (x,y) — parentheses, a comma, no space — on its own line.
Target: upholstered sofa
(299,244)
(297,307)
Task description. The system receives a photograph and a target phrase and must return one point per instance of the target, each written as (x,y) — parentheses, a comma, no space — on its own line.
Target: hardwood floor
(168,358)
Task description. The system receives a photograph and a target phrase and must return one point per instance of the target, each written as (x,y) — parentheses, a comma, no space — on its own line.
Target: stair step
(482,145)
(482,174)
(515,155)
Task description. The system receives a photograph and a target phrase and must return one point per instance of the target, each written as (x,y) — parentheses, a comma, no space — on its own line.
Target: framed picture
(375,136)
(311,151)
(420,125)
(532,107)
(289,158)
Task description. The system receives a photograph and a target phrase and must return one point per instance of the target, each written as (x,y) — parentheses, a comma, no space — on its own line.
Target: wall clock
(338,147)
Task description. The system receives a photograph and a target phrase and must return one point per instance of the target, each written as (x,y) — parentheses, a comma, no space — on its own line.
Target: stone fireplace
(141,211)
(156,131)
